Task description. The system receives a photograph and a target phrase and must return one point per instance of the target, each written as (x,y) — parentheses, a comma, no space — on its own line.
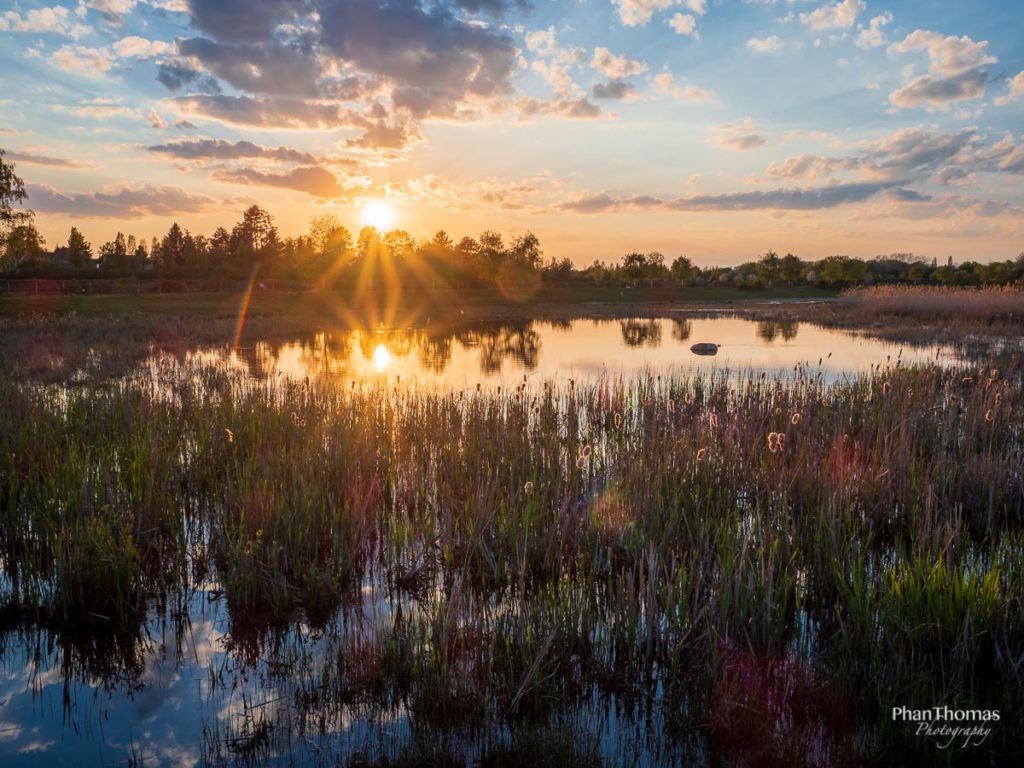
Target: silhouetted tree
(12,193)
(79,251)
(172,248)
(22,245)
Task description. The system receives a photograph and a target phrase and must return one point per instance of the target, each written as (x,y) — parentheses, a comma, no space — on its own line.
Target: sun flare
(379,215)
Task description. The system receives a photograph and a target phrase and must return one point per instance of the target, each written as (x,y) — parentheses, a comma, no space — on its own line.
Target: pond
(581,349)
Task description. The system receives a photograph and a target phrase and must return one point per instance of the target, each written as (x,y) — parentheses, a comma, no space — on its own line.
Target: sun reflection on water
(381,357)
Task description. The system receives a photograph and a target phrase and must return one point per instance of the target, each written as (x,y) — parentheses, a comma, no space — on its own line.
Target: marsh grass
(931,302)
(683,548)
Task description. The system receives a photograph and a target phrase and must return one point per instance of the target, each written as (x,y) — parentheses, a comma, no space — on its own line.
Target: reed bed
(759,566)
(989,304)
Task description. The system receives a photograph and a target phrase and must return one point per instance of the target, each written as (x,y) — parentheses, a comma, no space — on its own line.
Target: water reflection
(582,348)
(641,333)
(769,330)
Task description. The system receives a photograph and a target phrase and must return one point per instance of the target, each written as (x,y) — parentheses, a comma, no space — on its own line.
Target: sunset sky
(711,128)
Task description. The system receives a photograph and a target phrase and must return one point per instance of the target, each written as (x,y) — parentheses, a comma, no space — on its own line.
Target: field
(715,569)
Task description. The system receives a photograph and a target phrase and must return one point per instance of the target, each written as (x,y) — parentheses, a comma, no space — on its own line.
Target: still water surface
(583,349)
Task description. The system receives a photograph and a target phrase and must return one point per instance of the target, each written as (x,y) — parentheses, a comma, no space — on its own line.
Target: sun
(379,215)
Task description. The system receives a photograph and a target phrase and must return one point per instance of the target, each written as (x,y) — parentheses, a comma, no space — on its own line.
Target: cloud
(571,108)
(616,67)
(737,137)
(544,42)
(770,44)
(815,198)
(838,15)
(313,180)
(113,11)
(596,203)
(430,59)
(614,90)
(299,114)
(556,76)
(57,162)
(56,21)
(1005,155)
(493,7)
(636,13)
(947,55)
(177,74)
(912,151)
(218,149)
(806,198)
(434,60)
(937,92)
(907,155)
(383,135)
(956,70)
(693,93)
(242,20)
(272,67)
(82,60)
(1016,90)
(805,166)
(665,82)
(268,112)
(954,176)
(872,35)
(120,203)
(140,48)
(684,24)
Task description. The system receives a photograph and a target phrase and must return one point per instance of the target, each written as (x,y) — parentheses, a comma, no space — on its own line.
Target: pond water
(581,349)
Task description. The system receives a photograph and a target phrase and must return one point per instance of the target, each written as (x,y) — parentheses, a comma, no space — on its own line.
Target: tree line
(328,254)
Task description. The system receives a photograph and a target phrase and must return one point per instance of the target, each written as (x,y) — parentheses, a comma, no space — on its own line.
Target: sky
(715,129)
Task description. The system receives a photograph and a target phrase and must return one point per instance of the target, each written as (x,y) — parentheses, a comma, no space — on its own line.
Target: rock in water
(704,348)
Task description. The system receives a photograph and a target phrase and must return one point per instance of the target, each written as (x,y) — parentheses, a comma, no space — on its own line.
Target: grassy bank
(759,569)
(324,307)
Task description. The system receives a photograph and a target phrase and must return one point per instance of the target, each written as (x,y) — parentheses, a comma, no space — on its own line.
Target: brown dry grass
(1003,303)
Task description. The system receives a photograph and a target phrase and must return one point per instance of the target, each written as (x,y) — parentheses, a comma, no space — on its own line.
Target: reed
(673,544)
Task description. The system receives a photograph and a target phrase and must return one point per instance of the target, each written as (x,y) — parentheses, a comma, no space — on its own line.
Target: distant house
(59,257)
